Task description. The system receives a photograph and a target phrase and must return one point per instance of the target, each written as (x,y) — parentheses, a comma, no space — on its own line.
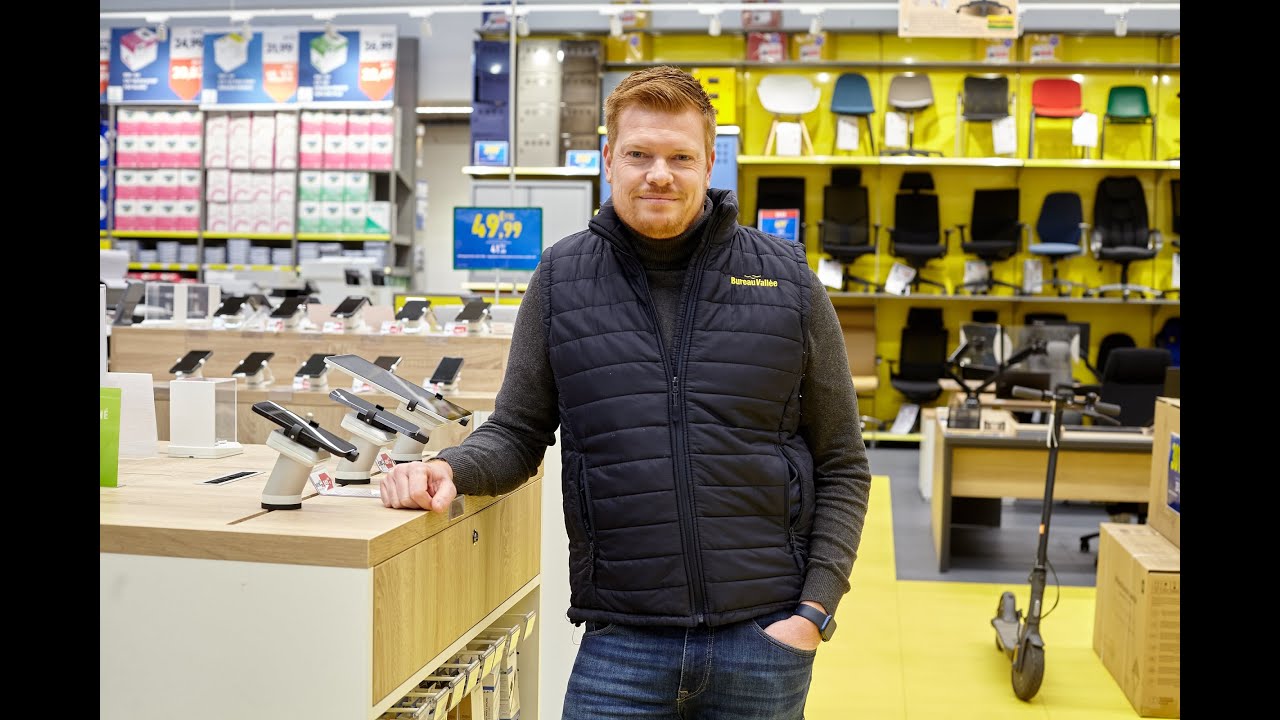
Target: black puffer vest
(688,495)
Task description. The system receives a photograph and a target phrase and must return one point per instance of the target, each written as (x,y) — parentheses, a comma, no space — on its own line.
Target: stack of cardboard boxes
(1137,622)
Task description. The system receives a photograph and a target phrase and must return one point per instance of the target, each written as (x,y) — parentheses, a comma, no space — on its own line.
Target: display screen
(447,371)
(381,419)
(190,361)
(349,306)
(310,435)
(413,310)
(473,310)
(427,402)
(289,306)
(387,362)
(252,363)
(230,306)
(487,238)
(313,366)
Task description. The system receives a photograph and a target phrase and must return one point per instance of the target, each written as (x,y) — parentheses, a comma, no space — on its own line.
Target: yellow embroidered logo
(754,280)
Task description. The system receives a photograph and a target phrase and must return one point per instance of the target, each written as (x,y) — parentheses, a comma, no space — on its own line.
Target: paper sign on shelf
(846,132)
(144,69)
(1004,135)
(895,129)
(1032,276)
(787,139)
(360,386)
(275,325)
(831,273)
(261,68)
(906,419)
(1177,271)
(323,482)
(899,280)
(108,436)
(391,327)
(1084,130)
(349,65)
(975,272)
(334,326)
(301,382)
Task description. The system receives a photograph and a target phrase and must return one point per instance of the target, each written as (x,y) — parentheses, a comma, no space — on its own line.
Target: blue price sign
(487,238)
(783,223)
(584,159)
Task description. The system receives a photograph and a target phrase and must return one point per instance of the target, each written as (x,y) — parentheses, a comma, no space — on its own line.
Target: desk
(211,608)
(1112,467)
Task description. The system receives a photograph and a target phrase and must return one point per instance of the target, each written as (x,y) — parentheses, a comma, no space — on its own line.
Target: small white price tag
(219,322)
(1177,272)
(323,482)
(900,277)
(275,325)
(391,327)
(334,326)
(360,386)
(115,93)
(787,139)
(831,273)
(1004,135)
(975,272)
(456,328)
(1084,130)
(301,382)
(895,129)
(1032,277)
(383,462)
(847,133)
(209,96)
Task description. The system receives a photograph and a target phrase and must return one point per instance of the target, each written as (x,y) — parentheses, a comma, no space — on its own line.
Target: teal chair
(1127,105)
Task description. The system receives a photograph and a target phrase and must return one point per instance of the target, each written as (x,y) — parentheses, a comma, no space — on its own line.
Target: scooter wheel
(1027,683)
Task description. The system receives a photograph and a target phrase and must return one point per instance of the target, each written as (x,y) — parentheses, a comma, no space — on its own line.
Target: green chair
(1127,105)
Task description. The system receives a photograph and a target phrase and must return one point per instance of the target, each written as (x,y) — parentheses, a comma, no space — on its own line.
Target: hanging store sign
(348,66)
(254,69)
(145,69)
(958,18)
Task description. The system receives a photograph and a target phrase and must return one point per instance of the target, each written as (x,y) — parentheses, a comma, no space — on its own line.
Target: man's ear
(608,169)
(711,163)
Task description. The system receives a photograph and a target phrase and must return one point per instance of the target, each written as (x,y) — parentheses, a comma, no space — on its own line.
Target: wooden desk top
(160,510)
(285,394)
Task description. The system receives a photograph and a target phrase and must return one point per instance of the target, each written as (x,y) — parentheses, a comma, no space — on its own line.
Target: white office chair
(787,95)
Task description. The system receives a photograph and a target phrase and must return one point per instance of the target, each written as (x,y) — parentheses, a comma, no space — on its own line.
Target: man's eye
(684,158)
(635,154)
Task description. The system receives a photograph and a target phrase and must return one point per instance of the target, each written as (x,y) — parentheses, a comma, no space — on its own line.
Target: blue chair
(852,96)
(1062,230)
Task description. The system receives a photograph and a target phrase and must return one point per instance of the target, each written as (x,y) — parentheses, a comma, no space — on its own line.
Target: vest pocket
(794,508)
(584,508)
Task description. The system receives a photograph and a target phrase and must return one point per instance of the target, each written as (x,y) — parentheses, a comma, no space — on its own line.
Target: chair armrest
(1026,237)
(892,243)
(1095,243)
(946,240)
(960,227)
(1084,234)
(875,236)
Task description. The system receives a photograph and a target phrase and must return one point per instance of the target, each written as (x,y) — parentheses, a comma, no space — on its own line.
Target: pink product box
(283,188)
(148,151)
(335,152)
(215,130)
(162,123)
(126,215)
(310,152)
(127,152)
(282,217)
(145,217)
(381,150)
(167,185)
(335,123)
(169,151)
(145,185)
(358,123)
(128,122)
(166,216)
(188,215)
(238,153)
(126,185)
(286,155)
(311,122)
(381,123)
(357,152)
(189,151)
(186,122)
(218,217)
(217,187)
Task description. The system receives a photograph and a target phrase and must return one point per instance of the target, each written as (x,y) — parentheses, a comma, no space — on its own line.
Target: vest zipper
(584,505)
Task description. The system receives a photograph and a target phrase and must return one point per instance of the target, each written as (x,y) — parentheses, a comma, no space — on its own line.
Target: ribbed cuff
(466,474)
(825,587)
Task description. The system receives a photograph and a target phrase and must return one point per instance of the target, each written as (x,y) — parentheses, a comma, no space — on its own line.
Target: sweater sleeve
(505,450)
(829,423)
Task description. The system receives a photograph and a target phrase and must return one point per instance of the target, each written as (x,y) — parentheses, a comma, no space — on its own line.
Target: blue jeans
(732,672)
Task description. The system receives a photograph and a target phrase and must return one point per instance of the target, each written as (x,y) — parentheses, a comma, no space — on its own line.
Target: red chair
(1053,98)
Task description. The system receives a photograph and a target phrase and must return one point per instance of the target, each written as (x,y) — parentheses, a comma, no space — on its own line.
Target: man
(715,481)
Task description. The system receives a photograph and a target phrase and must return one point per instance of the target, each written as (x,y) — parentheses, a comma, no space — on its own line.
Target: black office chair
(1132,378)
(846,230)
(1121,232)
(1109,344)
(996,235)
(922,357)
(1175,210)
(982,98)
(781,193)
(916,235)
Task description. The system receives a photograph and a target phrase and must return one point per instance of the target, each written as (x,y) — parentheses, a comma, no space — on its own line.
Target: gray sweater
(504,451)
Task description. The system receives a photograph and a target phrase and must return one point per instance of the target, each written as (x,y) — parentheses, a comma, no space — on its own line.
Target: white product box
(138,49)
(217,186)
(261,186)
(335,151)
(242,217)
(282,217)
(145,217)
(358,123)
(166,184)
(358,152)
(381,149)
(231,51)
(148,151)
(186,122)
(218,216)
(127,184)
(126,214)
(286,156)
(353,214)
(189,151)
(162,123)
(260,215)
(378,217)
(308,218)
(239,125)
(127,151)
(167,215)
(262,141)
(331,215)
(355,187)
(335,122)
(311,122)
(310,185)
(241,187)
(188,184)
(283,187)
(335,186)
(238,153)
(328,53)
(129,121)
(311,151)
(146,185)
(168,150)
(215,129)
(188,215)
(381,122)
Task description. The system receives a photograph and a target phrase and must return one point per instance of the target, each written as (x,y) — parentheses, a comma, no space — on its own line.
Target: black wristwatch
(826,623)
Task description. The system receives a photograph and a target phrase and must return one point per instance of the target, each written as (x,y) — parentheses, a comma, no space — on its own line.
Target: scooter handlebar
(1106,408)
(1027,393)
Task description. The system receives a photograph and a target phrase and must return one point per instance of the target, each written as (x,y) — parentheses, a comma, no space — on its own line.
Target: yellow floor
(908,650)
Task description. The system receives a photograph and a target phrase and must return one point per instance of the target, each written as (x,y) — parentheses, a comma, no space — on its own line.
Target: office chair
(845,229)
(996,235)
(852,96)
(922,358)
(916,236)
(1126,105)
(781,193)
(983,8)
(1053,98)
(1133,378)
(1062,232)
(910,93)
(1175,209)
(786,96)
(983,98)
(1121,233)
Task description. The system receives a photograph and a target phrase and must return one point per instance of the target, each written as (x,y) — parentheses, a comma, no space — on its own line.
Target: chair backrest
(923,353)
(1175,206)
(924,317)
(1109,344)
(846,176)
(986,97)
(915,219)
(780,193)
(852,95)
(995,216)
(788,94)
(1120,212)
(910,92)
(1133,378)
(1050,94)
(1128,102)
(1060,218)
(846,219)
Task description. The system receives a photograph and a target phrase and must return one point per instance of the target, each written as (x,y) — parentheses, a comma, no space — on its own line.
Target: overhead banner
(104,63)
(958,18)
(259,69)
(348,66)
(145,69)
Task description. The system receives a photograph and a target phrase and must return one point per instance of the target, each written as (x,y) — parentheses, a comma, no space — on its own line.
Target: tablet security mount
(416,404)
(372,428)
(302,445)
(968,414)
(255,370)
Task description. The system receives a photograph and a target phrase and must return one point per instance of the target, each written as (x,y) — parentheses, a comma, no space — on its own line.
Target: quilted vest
(688,494)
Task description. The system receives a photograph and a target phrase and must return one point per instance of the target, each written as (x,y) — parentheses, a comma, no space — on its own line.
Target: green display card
(109,436)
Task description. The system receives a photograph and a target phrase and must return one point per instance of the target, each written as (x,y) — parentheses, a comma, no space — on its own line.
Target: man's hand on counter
(419,486)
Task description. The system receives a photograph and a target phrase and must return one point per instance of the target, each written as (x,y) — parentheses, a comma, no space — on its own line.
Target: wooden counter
(213,606)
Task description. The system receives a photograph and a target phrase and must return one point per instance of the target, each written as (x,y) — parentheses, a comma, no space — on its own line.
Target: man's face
(659,170)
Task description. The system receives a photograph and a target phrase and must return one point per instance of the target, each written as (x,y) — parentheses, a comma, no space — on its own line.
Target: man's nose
(659,173)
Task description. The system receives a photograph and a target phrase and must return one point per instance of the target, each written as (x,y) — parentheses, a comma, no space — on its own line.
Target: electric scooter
(1017,636)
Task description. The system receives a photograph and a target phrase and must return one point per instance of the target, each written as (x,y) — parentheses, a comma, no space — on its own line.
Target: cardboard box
(328,53)
(1164,509)
(1137,617)
(806,47)
(630,47)
(138,49)
(766,46)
